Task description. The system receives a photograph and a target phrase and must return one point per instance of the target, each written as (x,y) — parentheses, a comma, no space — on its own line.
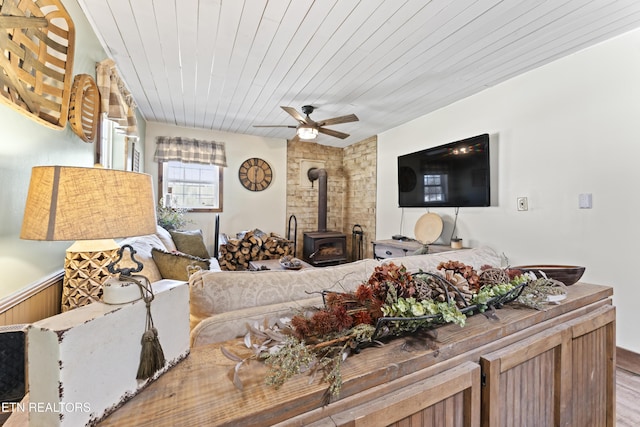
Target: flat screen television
(451,175)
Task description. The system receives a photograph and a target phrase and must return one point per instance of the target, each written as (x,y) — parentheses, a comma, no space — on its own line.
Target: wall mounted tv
(451,175)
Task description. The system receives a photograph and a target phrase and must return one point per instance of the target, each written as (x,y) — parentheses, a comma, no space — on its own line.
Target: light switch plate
(585,201)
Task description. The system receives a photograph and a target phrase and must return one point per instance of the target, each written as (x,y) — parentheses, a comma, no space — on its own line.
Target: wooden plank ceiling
(229,64)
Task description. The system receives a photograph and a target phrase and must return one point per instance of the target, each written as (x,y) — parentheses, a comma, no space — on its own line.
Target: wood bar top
(198,391)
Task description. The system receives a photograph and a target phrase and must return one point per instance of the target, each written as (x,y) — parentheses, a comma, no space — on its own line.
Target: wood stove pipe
(320,175)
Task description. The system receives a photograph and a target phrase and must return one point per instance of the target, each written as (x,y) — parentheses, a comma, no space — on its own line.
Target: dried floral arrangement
(540,291)
(171,218)
(393,302)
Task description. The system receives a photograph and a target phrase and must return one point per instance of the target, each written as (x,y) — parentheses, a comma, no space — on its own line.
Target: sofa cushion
(190,242)
(476,257)
(143,246)
(232,324)
(222,291)
(166,239)
(175,265)
(222,302)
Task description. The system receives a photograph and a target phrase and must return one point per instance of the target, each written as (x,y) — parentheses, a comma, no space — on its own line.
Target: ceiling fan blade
(294,113)
(335,133)
(337,120)
(275,126)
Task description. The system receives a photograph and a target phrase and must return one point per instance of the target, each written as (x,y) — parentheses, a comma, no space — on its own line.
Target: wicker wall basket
(84,107)
(36,66)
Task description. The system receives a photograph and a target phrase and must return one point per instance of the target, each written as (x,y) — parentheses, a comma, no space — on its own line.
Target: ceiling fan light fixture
(307,132)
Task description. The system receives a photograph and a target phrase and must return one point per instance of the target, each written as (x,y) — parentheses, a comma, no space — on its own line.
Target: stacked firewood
(236,254)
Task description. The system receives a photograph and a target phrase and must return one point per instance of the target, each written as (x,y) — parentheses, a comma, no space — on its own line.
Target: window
(190,173)
(193,186)
(435,188)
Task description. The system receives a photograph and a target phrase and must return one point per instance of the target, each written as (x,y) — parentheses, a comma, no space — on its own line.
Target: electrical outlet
(523,204)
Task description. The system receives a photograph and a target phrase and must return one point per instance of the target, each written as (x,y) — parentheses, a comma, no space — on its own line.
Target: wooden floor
(627,399)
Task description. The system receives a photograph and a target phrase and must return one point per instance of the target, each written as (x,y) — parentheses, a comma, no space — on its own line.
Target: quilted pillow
(175,265)
(190,242)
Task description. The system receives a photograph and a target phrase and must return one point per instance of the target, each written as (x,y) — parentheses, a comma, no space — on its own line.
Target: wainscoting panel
(34,303)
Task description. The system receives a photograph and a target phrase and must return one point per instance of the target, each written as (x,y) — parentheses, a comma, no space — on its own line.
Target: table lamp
(92,206)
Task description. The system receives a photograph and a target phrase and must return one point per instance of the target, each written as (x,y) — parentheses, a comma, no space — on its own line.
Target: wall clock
(255,174)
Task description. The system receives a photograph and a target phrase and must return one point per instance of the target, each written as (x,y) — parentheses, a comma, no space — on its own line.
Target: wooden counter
(554,366)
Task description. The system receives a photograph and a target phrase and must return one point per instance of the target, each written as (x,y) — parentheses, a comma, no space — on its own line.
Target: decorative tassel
(158,354)
(151,355)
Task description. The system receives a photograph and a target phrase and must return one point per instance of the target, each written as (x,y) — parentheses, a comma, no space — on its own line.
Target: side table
(390,248)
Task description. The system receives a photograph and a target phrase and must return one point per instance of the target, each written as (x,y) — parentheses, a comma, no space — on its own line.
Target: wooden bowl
(567,274)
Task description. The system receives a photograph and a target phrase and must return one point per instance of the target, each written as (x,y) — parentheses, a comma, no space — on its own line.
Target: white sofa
(222,302)
(144,245)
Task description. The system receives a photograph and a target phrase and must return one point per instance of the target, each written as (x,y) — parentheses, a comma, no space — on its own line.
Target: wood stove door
(326,251)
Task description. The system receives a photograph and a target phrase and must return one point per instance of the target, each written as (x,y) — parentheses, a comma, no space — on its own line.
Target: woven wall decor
(37,41)
(84,107)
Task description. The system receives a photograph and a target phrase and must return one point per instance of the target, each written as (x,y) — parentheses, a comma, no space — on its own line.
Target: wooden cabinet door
(593,355)
(448,399)
(561,377)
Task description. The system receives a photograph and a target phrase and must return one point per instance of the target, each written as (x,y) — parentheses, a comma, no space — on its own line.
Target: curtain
(189,150)
(115,99)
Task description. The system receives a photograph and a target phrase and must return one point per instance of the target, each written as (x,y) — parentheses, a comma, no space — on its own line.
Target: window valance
(115,99)
(188,150)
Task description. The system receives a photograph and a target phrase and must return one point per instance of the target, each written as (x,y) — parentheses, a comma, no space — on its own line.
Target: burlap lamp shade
(92,206)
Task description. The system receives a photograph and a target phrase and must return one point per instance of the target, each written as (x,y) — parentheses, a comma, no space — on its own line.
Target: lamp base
(116,291)
(85,270)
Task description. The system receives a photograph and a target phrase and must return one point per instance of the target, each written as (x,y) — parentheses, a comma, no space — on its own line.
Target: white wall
(25,143)
(567,128)
(242,209)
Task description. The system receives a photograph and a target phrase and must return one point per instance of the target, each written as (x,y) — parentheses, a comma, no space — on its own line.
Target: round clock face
(255,174)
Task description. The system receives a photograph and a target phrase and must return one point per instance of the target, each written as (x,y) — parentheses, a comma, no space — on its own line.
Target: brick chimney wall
(351,188)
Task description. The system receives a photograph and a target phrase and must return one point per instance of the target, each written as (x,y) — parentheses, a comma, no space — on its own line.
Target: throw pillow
(175,265)
(165,238)
(143,245)
(190,242)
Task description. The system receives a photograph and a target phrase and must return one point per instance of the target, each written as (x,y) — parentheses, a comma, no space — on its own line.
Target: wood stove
(322,247)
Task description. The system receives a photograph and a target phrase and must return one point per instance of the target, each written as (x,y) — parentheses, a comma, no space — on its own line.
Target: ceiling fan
(308,129)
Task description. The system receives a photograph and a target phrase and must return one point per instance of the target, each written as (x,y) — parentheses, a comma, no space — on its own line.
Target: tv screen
(451,175)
